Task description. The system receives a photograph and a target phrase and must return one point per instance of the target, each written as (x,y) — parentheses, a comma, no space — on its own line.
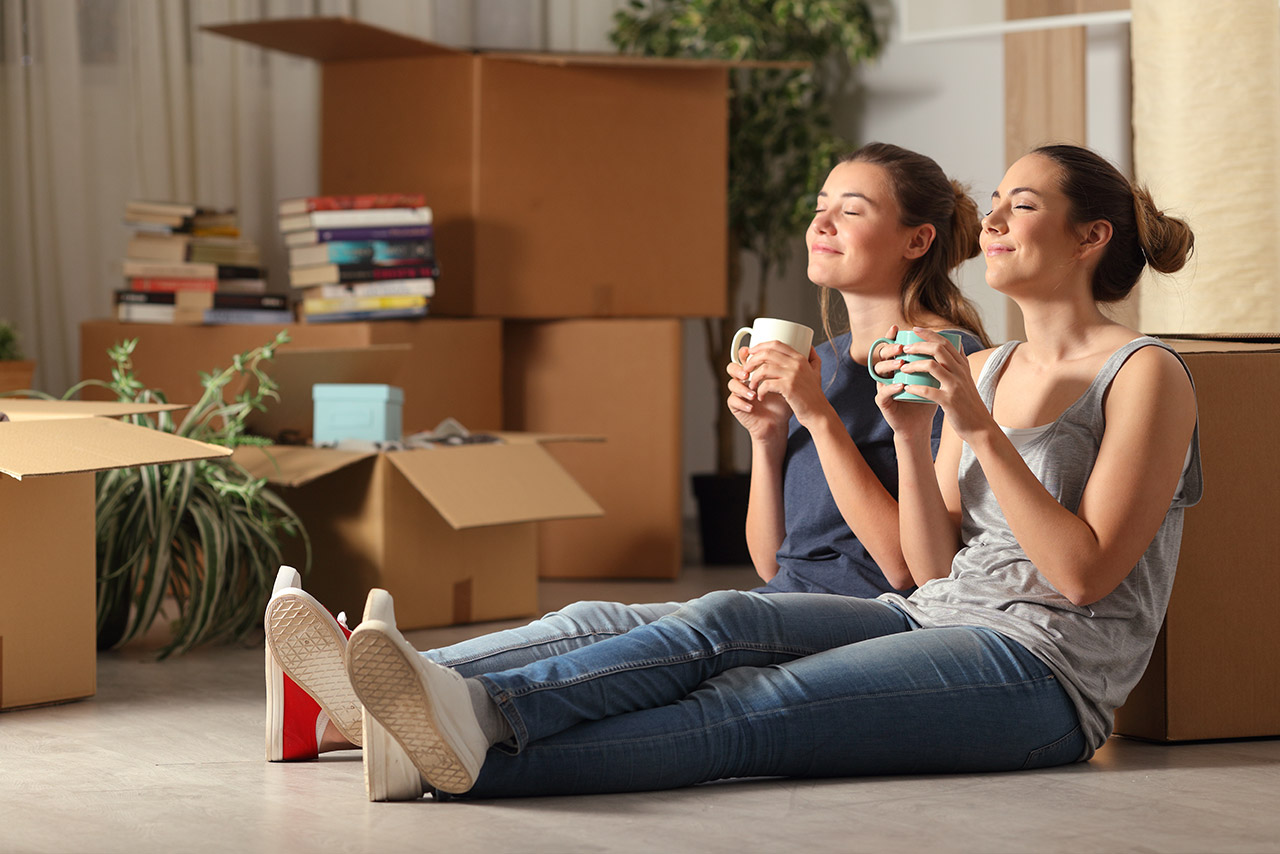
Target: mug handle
(871,365)
(737,342)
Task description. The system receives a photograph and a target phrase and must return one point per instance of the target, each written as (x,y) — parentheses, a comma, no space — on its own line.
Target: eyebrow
(850,195)
(995,194)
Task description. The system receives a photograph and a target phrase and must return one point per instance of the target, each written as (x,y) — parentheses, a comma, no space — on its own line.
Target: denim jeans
(741,684)
(573,626)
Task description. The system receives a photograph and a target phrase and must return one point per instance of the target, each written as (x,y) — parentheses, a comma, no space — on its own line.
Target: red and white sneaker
(307,684)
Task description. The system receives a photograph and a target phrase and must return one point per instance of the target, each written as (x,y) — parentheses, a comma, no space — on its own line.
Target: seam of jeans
(1077,730)
(650,663)
(453,662)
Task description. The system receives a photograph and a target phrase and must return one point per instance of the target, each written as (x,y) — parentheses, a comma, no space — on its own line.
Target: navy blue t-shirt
(819,553)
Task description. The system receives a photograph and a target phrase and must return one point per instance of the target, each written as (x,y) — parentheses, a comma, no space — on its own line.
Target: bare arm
(1150,416)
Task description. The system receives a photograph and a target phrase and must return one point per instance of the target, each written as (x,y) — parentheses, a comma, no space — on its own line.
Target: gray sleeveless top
(1098,652)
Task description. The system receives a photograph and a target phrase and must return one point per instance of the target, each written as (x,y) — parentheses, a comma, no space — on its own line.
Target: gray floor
(168,757)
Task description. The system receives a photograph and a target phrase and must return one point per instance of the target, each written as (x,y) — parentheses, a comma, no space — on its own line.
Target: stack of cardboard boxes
(580,213)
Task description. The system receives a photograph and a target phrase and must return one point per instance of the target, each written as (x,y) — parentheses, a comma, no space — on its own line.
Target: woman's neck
(1063,329)
(870,318)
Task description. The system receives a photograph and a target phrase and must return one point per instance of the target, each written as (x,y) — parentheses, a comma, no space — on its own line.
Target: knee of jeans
(594,617)
(711,609)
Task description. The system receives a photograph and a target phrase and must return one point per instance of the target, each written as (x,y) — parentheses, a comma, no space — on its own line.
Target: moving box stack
(189,264)
(360,257)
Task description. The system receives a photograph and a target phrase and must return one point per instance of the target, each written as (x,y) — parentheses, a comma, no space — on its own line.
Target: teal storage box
(356,411)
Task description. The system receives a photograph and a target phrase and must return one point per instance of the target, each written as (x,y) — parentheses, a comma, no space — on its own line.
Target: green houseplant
(781,144)
(205,532)
(16,371)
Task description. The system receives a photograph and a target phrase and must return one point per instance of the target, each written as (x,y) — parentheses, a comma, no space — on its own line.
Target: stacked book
(360,257)
(189,264)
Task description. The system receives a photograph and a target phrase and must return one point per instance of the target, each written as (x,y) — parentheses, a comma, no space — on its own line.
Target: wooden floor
(168,758)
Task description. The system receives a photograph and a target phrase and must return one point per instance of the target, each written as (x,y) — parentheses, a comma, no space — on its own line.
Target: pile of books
(189,264)
(360,257)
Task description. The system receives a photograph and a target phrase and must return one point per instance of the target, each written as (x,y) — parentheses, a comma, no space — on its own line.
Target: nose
(823,222)
(994,220)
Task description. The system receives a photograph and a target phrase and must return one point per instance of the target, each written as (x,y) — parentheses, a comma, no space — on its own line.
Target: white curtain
(103,101)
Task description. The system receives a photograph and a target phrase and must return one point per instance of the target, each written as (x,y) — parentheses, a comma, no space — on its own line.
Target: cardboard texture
(47,576)
(577,375)
(449,531)
(1215,672)
(447,367)
(519,154)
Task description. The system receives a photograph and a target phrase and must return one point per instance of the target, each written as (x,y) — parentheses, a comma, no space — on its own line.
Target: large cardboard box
(563,185)
(450,531)
(48,453)
(619,379)
(1215,672)
(447,367)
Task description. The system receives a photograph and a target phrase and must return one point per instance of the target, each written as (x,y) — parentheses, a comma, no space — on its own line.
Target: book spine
(161,270)
(144,283)
(367,217)
(240,271)
(373,273)
(128,312)
(321,305)
(247,315)
(381,314)
(332,235)
(146,297)
(358,201)
(390,287)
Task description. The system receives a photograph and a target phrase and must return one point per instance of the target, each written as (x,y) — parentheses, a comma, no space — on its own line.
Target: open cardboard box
(1215,672)
(48,453)
(450,531)
(514,152)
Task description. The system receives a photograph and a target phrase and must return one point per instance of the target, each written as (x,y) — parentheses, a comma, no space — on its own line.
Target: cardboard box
(1215,672)
(449,531)
(562,185)
(620,379)
(48,452)
(447,367)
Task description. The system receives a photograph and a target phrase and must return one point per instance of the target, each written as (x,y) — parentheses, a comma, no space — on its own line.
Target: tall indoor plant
(781,144)
(204,532)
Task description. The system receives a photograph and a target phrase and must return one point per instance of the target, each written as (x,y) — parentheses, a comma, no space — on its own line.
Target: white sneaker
(389,773)
(309,645)
(425,707)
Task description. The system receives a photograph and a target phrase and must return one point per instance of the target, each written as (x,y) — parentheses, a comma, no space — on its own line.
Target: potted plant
(15,371)
(781,144)
(205,533)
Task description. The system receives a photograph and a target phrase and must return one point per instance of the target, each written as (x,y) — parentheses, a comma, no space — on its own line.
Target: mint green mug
(907,337)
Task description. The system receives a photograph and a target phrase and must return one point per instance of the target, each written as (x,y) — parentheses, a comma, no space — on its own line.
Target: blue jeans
(795,684)
(573,626)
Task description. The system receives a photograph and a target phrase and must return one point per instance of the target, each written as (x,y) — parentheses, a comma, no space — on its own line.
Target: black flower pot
(722,517)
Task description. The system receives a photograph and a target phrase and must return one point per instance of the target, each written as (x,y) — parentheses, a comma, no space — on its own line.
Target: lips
(821,249)
(997,249)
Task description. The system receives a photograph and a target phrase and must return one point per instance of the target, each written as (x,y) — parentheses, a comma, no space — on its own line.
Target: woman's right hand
(765,417)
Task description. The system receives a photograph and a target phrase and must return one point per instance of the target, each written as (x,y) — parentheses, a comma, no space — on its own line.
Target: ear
(1094,237)
(919,241)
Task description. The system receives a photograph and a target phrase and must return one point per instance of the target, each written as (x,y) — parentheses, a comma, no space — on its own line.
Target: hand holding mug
(906,338)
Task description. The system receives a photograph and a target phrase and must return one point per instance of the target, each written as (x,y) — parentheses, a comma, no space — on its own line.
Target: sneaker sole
(310,651)
(275,710)
(389,686)
(389,773)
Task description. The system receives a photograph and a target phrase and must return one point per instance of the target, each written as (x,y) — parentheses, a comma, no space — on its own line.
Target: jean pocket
(1061,751)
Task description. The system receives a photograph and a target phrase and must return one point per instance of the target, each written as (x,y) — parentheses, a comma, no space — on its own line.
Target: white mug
(795,335)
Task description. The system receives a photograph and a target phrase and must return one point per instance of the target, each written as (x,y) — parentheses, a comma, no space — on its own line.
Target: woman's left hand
(957,393)
(776,368)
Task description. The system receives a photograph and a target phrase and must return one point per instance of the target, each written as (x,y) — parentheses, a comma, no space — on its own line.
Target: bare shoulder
(978,360)
(1154,378)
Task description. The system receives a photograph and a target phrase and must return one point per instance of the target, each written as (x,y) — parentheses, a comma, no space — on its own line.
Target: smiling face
(856,241)
(1028,237)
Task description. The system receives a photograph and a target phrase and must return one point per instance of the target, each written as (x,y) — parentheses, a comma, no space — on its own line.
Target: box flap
(622,60)
(475,485)
(34,409)
(545,438)
(295,465)
(32,448)
(339,39)
(331,39)
(1188,342)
